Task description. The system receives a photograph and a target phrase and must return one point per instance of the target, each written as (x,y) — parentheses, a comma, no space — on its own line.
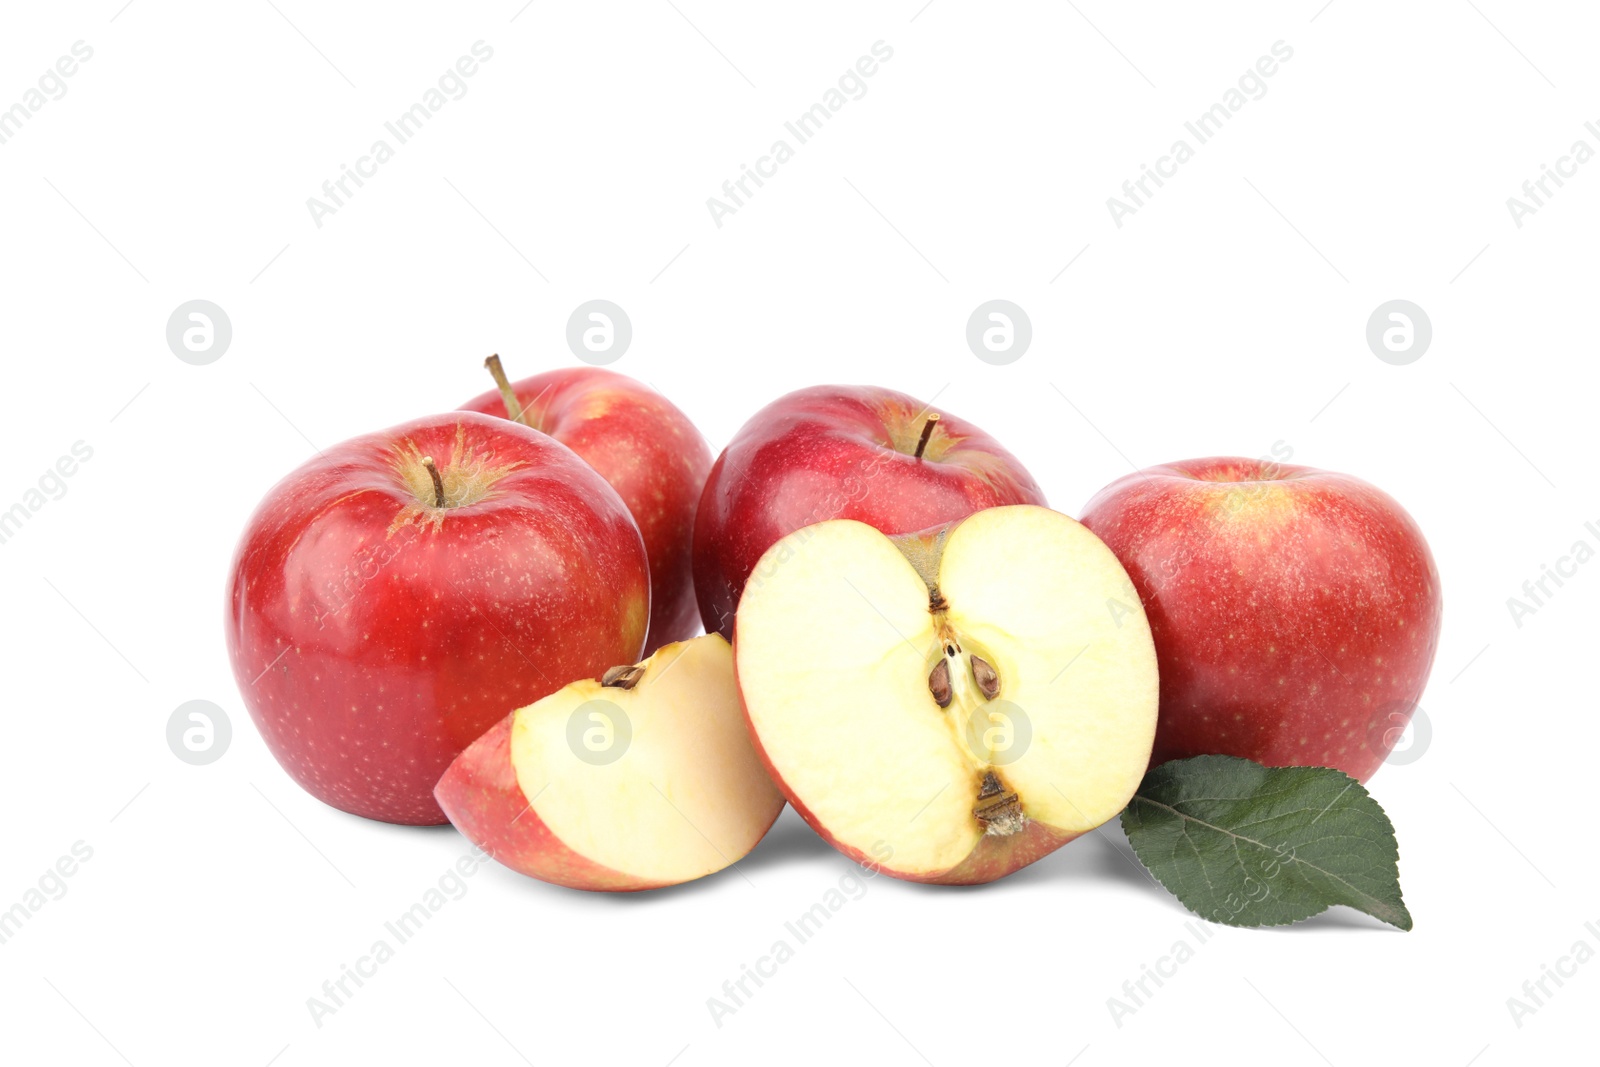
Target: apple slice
(642,779)
(948,705)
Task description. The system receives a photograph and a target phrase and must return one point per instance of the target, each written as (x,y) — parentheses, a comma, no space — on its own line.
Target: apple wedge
(644,778)
(951,705)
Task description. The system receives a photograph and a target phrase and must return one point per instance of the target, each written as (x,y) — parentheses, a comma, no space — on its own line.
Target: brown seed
(625,676)
(939,683)
(988,681)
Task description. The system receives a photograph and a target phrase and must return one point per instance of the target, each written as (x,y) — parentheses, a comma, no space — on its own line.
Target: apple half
(950,705)
(641,779)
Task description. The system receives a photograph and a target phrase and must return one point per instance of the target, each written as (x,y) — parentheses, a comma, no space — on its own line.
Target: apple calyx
(998,810)
(625,676)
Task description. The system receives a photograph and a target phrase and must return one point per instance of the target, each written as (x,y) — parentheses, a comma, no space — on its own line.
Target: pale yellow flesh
(831,646)
(1070,636)
(835,642)
(688,795)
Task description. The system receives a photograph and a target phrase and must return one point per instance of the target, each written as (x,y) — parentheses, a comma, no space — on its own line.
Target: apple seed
(988,681)
(939,684)
(625,676)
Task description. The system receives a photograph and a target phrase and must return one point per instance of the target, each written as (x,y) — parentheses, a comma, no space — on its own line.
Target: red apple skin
(648,451)
(993,858)
(374,638)
(480,794)
(839,452)
(482,797)
(1295,611)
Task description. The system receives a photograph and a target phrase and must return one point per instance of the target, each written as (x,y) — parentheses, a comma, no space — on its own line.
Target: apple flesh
(1295,611)
(840,452)
(951,705)
(646,449)
(643,779)
(379,621)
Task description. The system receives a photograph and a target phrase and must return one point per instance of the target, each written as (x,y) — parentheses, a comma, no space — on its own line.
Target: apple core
(972,717)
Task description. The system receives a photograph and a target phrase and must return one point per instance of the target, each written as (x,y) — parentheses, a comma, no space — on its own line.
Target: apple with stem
(393,597)
(840,452)
(641,444)
(641,778)
(950,705)
(1296,611)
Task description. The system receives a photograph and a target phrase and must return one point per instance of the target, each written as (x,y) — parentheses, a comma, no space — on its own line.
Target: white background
(1226,316)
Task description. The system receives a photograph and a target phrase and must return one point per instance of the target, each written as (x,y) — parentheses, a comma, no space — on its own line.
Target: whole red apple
(648,451)
(840,452)
(396,596)
(1295,611)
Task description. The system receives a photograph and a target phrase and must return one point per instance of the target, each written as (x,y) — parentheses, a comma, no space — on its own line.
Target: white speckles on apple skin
(824,453)
(1326,584)
(649,452)
(505,600)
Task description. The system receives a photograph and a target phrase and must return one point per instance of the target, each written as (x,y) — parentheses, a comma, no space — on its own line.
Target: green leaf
(1247,845)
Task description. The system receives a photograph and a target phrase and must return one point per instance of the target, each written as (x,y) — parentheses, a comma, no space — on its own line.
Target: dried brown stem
(927,432)
(507,394)
(438,482)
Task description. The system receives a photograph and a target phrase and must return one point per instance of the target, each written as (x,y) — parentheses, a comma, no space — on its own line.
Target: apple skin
(839,452)
(374,638)
(648,451)
(481,794)
(484,801)
(1295,611)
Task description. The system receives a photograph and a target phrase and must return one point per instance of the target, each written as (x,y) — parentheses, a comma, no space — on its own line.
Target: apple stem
(438,482)
(927,432)
(507,394)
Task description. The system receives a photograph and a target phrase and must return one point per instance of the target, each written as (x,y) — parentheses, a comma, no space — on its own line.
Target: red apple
(396,596)
(1295,611)
(650,453)
(840,452)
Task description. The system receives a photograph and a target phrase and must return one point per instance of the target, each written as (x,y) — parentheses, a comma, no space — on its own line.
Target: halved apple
(643,778)
(949,705)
